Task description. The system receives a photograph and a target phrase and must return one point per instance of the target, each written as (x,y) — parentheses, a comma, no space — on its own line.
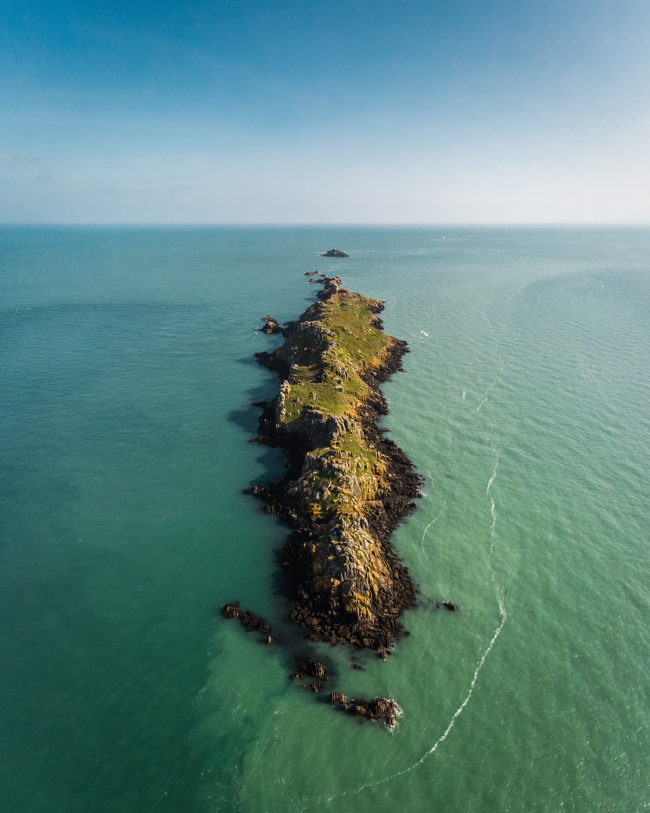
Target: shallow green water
(128,372)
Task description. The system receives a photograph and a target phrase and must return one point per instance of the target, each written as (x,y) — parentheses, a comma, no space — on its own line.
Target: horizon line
(333,224)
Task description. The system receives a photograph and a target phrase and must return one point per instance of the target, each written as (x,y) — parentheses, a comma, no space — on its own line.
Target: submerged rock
(446,605)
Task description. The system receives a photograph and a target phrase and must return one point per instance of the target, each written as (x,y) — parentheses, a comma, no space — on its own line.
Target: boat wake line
(437,516)
(492,506)
(435,519)
(494,470)
(306,803)
(486,395)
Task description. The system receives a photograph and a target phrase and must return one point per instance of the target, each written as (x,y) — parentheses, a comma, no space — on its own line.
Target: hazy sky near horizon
(357,111)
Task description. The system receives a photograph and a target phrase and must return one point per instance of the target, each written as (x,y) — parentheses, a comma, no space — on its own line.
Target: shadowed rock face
(346,486)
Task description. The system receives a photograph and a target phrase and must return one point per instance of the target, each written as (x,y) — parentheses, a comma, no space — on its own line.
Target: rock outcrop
(249,621)
(335,252)
(271,325)
(379,708)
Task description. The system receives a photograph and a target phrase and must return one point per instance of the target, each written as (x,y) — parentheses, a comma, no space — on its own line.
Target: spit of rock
(346,486)
(248,620)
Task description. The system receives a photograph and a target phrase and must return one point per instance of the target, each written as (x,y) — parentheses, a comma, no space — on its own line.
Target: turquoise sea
(127,373)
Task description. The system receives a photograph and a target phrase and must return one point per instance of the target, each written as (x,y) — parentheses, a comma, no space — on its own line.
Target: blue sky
(437,111)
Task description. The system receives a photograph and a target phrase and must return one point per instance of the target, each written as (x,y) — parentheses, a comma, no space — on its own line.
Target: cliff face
(346,487)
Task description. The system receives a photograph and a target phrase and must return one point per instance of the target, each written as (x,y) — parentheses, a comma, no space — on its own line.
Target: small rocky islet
(346,486)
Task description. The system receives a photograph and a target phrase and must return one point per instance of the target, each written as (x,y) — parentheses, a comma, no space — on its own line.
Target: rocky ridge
(347,486)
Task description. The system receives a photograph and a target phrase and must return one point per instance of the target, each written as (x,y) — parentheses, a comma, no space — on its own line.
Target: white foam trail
(485,397)
(494,471)
(464,394)
(424,333)
(494,522)
(487,491)
(445,733)
(435,519)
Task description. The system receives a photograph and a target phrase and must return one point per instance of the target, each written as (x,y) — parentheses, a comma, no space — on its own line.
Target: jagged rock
(271,325)
(331,286)
(382,707)
(379,708)
(230,611)
(248,620)
(308,667)
(335,252)
(311,273)
(251,622)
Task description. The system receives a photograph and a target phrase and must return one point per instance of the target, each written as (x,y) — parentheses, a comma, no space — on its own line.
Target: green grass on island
(342,477)
(327,373)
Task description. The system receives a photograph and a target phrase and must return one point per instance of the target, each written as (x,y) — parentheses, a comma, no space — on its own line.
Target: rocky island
(335,252)
(346,486)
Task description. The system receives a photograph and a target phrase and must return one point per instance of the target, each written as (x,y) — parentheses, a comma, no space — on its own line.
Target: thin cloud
(17,158)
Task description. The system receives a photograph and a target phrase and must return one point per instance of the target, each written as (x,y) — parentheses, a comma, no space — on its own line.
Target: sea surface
(128,372)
